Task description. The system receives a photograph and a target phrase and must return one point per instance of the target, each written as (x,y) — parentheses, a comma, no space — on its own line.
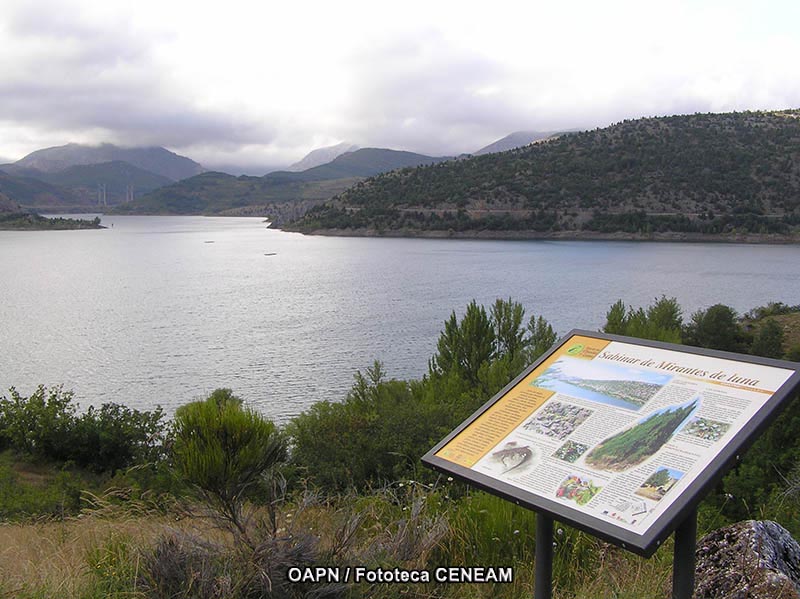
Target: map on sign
(611,433)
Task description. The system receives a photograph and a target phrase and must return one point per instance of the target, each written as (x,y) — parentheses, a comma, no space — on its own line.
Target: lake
(162,310)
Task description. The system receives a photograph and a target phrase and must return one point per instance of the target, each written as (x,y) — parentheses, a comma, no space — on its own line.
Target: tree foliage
(716,328)
(464,346)
(768,342)
(661,321)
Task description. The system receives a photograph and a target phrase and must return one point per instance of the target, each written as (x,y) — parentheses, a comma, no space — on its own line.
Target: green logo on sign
(575,349)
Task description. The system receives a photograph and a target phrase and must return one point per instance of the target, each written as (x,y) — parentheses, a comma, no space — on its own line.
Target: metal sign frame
(681,507)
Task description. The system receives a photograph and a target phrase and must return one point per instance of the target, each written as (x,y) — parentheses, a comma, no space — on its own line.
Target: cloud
(263,85)
(426,95)
(63,72)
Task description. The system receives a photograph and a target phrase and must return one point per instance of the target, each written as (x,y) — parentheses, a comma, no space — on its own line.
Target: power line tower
(102,200)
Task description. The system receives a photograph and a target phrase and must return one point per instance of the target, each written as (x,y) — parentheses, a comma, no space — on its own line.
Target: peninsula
(14,218)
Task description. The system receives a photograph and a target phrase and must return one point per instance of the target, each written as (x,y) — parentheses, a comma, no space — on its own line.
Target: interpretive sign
(620,437)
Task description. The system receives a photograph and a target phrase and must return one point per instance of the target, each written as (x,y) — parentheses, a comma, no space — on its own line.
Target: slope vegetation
(276,194)
(34,193)
(213,193)
(714,174)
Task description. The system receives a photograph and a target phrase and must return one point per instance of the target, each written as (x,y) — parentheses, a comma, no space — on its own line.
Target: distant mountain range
(720,175)
(731,175)
(153,159)
(365,162)
(33,193)
(213,193)
(321,156)
(78,177)
(75,176)
(515,140)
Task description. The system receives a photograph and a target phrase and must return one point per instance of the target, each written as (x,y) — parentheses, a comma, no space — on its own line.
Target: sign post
(543,574)
(618,437)
(683,558)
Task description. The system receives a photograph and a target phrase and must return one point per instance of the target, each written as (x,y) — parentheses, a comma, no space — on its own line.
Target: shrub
(376,435)
(224,450)
(46,425)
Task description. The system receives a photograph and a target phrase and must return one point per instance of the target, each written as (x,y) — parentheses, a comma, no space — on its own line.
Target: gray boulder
(752,559)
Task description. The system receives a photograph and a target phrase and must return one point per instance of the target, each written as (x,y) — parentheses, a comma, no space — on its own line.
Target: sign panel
(618,436)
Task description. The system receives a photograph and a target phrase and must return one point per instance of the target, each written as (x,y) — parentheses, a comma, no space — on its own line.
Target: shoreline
(668,237)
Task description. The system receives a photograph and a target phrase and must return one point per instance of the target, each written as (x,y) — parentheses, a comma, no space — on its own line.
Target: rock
(752,559)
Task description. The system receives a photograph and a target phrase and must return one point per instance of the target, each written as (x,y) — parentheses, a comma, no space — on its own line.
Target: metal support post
(543,581)
(683,562)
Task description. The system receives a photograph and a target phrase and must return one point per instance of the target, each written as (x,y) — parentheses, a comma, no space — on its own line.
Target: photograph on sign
(613,430)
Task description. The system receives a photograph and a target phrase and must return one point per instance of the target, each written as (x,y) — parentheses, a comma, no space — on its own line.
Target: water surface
(161,310)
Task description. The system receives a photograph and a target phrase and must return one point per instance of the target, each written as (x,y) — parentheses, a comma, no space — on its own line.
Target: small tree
(768,342)
(465,346)
(661,321)
(506,318)
(224,449)
(716,328)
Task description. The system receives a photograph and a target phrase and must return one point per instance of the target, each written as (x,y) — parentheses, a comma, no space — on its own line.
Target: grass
(127,548)
(104,553)
(30,490)
(70,558)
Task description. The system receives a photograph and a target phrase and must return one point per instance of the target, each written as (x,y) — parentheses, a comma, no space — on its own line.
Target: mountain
(212,193)
(321,156)
(154,159)
(9,206)
(34,193)
(119,178)
(365,162)
(514,140)
(673,177)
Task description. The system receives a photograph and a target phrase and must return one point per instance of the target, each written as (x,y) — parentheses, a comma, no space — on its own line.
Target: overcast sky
(261,84)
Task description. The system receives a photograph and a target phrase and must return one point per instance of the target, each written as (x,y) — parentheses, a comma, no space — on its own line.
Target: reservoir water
(162,310)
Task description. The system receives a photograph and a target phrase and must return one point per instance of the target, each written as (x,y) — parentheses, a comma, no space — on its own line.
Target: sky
(255,86)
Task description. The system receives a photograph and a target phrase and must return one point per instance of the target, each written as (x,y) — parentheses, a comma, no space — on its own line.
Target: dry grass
(52,559)
(790,323)
(52,556)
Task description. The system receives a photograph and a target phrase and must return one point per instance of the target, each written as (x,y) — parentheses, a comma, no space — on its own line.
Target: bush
(381,430)
(46,425)
(225,449)
(41,492)
(376,435)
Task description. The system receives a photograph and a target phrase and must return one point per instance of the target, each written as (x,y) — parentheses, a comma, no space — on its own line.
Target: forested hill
(713,174)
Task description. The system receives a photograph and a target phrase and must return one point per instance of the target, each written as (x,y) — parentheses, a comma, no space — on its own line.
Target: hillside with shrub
(280,195)
(217,193)
(673,177)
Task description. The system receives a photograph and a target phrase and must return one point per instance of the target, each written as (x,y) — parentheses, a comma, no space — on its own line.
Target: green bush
(224,450)
(382,428)
(49,493)
(376,435)
(46,425)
